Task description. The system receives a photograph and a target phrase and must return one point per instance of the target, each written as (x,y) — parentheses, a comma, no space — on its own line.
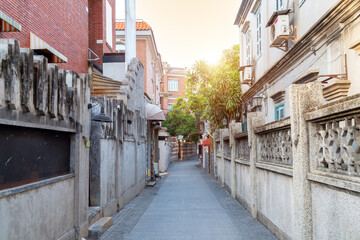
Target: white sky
(188,30)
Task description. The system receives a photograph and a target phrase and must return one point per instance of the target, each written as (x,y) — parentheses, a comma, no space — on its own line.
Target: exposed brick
(62,24)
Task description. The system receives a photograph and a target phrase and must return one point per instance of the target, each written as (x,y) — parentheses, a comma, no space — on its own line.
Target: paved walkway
(188,204)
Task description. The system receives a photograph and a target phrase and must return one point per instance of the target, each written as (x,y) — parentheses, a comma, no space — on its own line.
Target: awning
(7,24)
(154,113)
(53,56)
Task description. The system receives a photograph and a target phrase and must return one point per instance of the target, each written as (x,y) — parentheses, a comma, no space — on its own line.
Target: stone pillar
(80,156)
(222,174)
(216,136)
(302,98)
(255,119)
(233,165)
(130,31)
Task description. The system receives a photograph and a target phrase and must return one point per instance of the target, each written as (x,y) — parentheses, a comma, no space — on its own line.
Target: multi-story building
(147,53)
(284,42)
(58,30)
(172,87)
(101,30)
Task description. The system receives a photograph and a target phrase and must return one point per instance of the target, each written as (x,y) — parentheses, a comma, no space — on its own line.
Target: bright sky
(188,30)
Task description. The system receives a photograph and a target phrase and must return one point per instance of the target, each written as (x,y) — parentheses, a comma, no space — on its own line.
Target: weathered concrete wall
(43,213)
(244,184)
(119,149)
(227,171)
(275,199)
(334,213)
(38,95)
(298,176)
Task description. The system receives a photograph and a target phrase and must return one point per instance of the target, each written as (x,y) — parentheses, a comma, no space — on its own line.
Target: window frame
(258,31)
(247,46)
(108,24)
(278,108)
(172,86)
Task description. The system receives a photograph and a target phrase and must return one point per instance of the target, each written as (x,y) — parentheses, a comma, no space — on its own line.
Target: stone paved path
(188,204)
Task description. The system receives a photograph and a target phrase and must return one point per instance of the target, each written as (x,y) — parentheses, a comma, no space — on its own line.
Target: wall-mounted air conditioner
(280,28)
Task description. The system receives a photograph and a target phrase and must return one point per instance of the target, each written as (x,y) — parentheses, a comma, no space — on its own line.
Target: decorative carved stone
(276,147)
(338,144)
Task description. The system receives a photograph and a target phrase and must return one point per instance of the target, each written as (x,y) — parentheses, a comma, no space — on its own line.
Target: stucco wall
(107,184)
(335,213)
(275,199)
(243,180)
(227,173)
(43,213)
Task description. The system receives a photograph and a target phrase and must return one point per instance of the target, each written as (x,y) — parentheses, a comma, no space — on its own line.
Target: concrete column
(80,157)
(222,158)
(302,98)
(255,119)
(216,136)
(130,31)
(233,165)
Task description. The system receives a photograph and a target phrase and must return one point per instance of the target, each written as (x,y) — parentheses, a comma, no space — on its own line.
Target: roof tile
(140,26)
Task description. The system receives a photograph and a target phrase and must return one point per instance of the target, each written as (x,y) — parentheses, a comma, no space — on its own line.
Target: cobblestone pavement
(188,204)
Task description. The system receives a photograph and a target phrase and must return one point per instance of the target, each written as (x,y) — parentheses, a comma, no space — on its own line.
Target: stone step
(99,228)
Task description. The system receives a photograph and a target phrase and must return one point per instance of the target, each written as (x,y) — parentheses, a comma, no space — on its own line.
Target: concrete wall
(284,174)
(119,149)
(46,212)
(55,207)
(275,199)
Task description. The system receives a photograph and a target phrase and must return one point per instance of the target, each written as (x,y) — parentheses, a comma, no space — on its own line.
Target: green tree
(214,92)
(180,121)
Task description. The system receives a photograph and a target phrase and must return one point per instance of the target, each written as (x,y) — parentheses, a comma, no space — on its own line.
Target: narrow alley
(187,204)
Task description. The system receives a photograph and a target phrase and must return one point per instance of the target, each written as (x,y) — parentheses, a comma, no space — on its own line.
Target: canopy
(153,112)
(38,44)
(7,24)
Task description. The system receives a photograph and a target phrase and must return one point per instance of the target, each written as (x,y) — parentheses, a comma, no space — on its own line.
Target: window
(279,111)
(173,85)
(247,47)
(169,107)
(258,31)
(279,5)
(109,32)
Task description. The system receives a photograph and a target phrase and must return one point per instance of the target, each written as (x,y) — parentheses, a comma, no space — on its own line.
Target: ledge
(227,158)
(31,186)
(218,156)
(334,181)
(242,162)
(274,126)
(241,135)
(343,107)
(284,170)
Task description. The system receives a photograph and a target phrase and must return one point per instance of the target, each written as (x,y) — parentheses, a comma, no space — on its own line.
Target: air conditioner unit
(247,74)
(280,27)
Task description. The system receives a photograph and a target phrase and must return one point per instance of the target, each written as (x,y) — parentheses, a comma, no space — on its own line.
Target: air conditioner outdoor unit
(280,27)
(247,74)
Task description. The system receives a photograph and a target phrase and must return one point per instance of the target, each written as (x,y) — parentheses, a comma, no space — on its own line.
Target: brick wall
(180,93)
(62,24)
(97,28)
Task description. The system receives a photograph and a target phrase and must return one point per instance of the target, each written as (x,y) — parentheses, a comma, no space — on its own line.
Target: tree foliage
(180,121)
(214,92)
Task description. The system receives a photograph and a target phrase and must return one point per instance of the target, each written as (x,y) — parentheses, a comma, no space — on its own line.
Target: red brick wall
(62,24)
(179,93)
(97,28)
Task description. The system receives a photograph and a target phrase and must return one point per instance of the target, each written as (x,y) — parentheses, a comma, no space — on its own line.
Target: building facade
(101,29)
(172,87)
(296,42)
(63,35)
(147,53)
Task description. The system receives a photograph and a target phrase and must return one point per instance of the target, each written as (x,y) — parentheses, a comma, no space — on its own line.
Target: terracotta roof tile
(140,26)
